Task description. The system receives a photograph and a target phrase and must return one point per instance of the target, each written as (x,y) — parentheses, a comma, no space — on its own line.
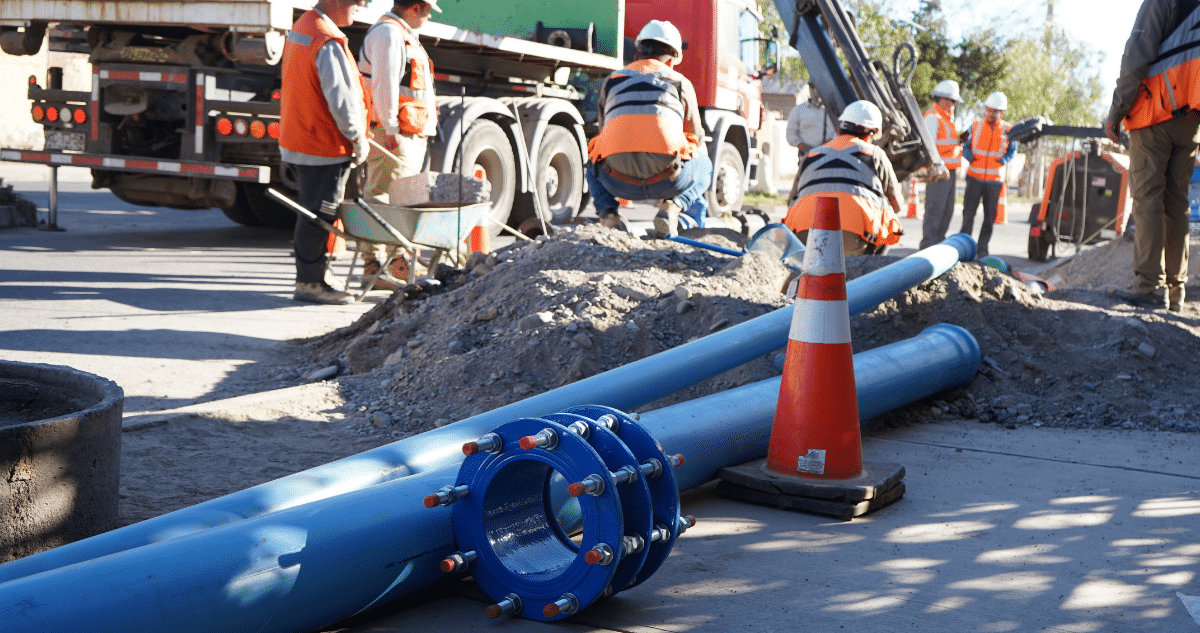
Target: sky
(1103,24)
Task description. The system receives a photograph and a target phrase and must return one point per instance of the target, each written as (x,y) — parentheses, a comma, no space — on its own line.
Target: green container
(519,18)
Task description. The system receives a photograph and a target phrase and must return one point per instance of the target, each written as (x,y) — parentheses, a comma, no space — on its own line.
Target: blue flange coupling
(525,487)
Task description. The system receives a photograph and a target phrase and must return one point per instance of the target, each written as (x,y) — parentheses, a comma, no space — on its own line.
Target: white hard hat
(864,114)
(665,32)
(996,101)
(947,88)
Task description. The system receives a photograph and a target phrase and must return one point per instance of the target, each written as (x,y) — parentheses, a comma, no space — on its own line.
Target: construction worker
(939,194)
(1157,98)
(987,149)
(857,173)
(808,126)
(651,140)
(322,132)
(399,79)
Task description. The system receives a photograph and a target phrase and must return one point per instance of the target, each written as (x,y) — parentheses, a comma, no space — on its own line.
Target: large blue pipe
(306,567)
(625,388)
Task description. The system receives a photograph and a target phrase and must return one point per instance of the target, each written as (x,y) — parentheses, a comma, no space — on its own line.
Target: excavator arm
(818,29)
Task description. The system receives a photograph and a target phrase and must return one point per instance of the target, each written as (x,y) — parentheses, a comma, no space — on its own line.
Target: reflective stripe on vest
(643,112)
(418,105)
(987,148)
(305,124)
(1172,83)
(844,169)
(948,144)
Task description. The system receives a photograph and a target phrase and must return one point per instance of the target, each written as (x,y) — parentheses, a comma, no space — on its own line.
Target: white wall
(17,129)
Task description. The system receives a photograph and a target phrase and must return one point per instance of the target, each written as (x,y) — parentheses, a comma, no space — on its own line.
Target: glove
(361,149)
(943,173)
(1113,130)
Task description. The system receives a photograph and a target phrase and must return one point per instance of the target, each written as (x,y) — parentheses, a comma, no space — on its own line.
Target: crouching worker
(650,144)
(860,176)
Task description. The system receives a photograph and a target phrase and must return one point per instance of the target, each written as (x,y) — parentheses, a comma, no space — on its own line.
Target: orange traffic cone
(816,420)
(1001,214)
(912,198)
(814,461)
(336,244)
(479,240)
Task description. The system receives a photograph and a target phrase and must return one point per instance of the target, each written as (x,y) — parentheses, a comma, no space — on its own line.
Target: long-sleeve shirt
(382,61)
(808,125)
(343,93)
(1154,22)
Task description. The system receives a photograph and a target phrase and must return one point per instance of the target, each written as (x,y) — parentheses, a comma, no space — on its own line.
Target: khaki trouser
(382,171)
(1161,158)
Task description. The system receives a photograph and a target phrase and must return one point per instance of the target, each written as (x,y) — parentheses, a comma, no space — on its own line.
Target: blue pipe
(698,244)
(626,388)
(306,567)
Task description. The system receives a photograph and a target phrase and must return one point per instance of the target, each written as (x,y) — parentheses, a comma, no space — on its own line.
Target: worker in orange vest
(987,149)
(322,132)
(399,79)
(939,194)
(1157,98)
(651,140)
(860,176)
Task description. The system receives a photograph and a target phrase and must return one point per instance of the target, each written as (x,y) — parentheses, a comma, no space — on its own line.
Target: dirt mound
(538,315)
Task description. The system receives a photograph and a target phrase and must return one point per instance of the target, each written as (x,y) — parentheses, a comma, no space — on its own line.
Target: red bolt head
(528,442)
(577,489)
(550,610)
(691,519)
(449,565)
(494,611)
(679,456)
(470,448)
(432,501)
(592,557)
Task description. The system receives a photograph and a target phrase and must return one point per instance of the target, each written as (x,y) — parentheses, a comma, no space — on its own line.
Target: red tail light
(273,130)
(258,129)
(80,115)
(38,113)
(52,113)
(224,126)
(275,95)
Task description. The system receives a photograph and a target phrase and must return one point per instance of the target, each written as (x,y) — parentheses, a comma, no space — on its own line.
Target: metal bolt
(686,523)
(580,428)
(609,421)
(458,561)
(625,475)
(633,544)
(601,554)
(652,468)
(676,460)
(510,604)
(446,495)
(546,438)
(592,485)
(490,443)
(660,533)
(635,416)
(566,605)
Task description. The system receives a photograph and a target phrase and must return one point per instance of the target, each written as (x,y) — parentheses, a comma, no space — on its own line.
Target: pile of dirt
(539,315)
(20,211)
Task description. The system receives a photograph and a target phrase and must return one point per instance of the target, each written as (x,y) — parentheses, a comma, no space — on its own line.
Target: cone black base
(879,485)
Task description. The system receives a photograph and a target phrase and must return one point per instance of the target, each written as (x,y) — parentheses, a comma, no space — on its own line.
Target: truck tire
(559,175)
(269,212)
(728,175)
(241,212)
(486,146)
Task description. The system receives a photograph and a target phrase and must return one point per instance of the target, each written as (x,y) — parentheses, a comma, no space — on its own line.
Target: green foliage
(1061,82)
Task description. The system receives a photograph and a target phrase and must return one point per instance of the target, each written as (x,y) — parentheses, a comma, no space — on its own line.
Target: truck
(183,110)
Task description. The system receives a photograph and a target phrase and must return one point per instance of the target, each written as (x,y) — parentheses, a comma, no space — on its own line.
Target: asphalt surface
(1000,529)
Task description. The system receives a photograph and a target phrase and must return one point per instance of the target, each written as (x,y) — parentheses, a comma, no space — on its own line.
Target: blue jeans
(687,190)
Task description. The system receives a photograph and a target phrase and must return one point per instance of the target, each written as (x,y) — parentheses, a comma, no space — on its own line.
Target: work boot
(667,220)
(1149,300)
(319,292)
(397,270)
(613,220)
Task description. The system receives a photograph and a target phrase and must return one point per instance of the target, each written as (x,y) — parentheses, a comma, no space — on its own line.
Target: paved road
(175,306)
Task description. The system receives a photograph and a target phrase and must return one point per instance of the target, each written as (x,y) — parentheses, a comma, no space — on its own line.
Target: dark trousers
(989,193)
(321,190)
(939,209)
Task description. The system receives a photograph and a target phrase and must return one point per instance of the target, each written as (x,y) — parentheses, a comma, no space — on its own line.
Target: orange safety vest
(305,124)
(988,145)
(418,107)
(843,169)
(1172,83)
(643,112)
(948,145)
